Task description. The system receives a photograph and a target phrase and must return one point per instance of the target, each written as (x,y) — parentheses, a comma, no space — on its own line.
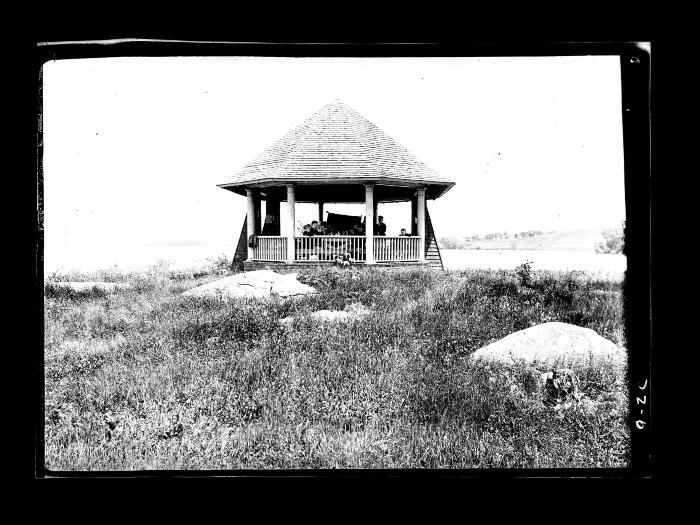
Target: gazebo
(335,156)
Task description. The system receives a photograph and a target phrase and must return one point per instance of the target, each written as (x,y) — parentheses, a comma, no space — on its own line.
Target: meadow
(143,378)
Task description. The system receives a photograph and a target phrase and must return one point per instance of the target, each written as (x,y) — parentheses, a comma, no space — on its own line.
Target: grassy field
(144,378)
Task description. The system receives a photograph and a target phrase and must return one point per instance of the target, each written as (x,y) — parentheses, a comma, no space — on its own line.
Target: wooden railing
(329,247)
(396,248)
(270,248)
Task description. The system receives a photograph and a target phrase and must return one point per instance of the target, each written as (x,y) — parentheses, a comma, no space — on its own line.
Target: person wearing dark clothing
(403,233)
(380,229)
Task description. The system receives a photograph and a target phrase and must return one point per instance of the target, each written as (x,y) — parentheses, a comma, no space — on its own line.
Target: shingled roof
(337,145)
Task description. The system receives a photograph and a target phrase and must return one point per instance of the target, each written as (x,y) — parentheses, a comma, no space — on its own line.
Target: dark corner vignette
(635,75)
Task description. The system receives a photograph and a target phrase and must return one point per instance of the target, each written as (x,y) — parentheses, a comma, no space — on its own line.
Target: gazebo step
(432,250)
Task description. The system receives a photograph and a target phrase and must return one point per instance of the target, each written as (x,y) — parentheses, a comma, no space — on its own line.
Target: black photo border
(635,64)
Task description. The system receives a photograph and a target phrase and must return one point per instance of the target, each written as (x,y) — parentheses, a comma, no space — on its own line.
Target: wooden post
(251,219)
(320,212)
(257,205)
(421,224)
(291,222)
(414,215)
(369,223)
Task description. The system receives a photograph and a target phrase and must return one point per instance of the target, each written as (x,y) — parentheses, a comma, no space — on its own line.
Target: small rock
(330,315)
(287,321)
(350,312)
(357,309)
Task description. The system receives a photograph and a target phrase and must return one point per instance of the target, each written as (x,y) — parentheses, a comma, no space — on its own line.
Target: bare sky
(134,147)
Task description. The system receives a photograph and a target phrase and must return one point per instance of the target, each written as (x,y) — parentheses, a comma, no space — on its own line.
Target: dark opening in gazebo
(336,156)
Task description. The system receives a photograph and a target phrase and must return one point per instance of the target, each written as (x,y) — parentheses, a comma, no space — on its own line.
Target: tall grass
(197,383)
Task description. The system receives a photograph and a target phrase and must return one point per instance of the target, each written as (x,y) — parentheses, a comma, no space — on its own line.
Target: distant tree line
(529,233)
(455,243)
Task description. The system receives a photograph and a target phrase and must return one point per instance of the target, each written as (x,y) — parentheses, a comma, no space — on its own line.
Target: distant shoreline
(521,249)
(573,240)
(453,259)
(551,260)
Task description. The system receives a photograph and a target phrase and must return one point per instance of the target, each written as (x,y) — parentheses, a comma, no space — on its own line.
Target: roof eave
(389,181)
(447,187)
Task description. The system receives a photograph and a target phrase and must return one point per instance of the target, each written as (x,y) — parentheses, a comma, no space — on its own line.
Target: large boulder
(547,361)
(257,284)
(551,346)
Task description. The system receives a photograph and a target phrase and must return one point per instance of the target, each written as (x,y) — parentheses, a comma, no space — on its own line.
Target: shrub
(613,241)
(54,291)
(524,273)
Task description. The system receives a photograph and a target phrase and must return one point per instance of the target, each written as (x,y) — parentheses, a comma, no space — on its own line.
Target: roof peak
(337,102)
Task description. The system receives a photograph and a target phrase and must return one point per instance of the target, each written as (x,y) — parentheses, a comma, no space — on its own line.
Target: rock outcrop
(256,284)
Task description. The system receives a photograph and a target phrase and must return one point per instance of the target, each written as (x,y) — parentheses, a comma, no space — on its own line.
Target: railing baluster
(270,248)
(329,247)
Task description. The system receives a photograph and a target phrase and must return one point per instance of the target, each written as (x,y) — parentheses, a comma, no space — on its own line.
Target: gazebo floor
(262,265)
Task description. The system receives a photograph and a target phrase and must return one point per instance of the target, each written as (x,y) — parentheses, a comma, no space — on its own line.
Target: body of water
(127,257)
(603,264)
(131,257)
